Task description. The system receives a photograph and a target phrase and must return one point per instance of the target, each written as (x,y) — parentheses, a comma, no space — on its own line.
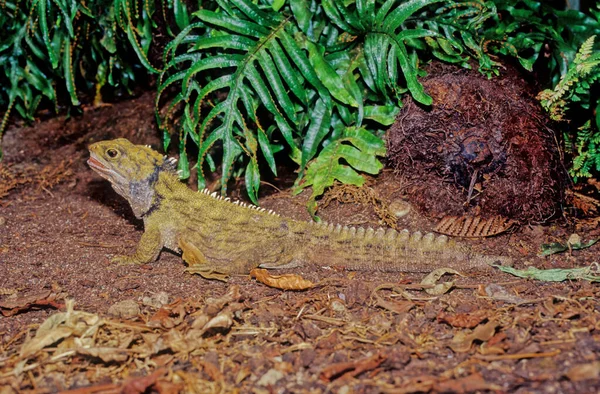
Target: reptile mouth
(96,164)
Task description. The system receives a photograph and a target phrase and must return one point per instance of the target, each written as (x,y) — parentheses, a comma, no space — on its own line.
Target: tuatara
(218,237)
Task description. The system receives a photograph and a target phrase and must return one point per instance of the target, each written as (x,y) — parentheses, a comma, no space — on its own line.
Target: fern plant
(53,48)
(314,69)
(574,89)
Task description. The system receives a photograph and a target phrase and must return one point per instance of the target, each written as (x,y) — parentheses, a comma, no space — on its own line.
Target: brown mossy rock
(483,148)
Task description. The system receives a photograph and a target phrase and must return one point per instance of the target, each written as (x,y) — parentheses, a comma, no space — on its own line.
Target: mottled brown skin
(219,237)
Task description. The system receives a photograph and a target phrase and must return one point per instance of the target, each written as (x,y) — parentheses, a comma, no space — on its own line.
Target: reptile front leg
(147,249)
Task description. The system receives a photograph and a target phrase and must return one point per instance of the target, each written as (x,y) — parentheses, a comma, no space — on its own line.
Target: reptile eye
(112,153)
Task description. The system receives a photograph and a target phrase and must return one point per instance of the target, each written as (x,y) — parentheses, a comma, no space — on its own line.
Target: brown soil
(488,141)
(154,328)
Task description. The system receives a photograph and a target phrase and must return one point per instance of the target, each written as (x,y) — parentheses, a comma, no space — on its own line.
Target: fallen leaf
(468,384)
(126,309)
(556,274)
(47,339)
(211,370)
(394,306)
(222,320)
(270,378)
(142,384)
(60,326)
(584,372)
(500,293)
(27,302)
(461,343)
(106,354)
(157,300)
(215,305)
(168,316)
(474,226)
(573,243)
(351,368)
(283,282)
(434,276)
(463,320)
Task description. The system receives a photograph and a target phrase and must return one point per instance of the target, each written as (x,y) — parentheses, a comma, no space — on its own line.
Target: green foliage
(589,273)
(55,48)
(247,81)
(574,89)
(313,68)
(355,150)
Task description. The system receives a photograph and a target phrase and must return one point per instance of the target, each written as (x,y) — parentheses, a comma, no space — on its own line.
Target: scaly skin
(219,237)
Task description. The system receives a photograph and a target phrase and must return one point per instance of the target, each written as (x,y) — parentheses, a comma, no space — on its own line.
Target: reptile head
(131,169)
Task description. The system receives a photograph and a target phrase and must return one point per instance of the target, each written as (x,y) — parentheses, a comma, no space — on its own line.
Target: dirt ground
(71,320)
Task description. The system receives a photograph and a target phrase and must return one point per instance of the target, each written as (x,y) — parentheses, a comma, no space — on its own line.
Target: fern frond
(256,63)
(356,150)
(383,41)
(575,85)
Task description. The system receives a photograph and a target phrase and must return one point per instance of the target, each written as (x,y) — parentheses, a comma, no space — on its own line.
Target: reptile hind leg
(199,264)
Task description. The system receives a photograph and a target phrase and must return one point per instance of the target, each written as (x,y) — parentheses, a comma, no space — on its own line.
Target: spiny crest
(217,196)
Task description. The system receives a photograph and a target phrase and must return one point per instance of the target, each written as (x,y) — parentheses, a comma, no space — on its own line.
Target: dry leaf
(27,302)
(214,305)
(142,384)
(463,320)
(500,293)
(283,282)
(46,339)
(469,384)
(126,309)
(434,276)
(60,326)
(584,372)
(222,320)
(393,306)
(352,368)
(461,343)
(106,354)
(473,226)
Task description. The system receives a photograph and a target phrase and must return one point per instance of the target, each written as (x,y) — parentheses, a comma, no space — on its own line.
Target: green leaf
(252,179)
(301,11)
(292,78)
(332,81)
(573,243)
(66,17)
(402,12)
(410,74)
(42,12)
(181,15)
(304,66)
(229,41)
(235,25)
(68,70)
(384,114)
(356,150)
(139,51)
(272,76)
(267,151)
(277,4)
(183,164)
(317,130)
(553,275)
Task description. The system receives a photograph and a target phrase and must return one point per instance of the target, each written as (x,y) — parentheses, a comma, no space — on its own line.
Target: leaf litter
(352,332)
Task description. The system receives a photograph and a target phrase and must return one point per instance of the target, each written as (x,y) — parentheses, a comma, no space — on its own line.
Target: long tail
(390,250)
